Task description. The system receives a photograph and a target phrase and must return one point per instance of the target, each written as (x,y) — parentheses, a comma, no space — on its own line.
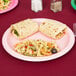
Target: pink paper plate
(12,5)
(65,44)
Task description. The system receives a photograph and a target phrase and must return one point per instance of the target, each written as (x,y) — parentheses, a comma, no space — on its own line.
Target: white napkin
(36,5)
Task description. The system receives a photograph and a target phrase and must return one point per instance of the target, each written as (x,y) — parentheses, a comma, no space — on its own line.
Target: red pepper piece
(26,47)
(30,45)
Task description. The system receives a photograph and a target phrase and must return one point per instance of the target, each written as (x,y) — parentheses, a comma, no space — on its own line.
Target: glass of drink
(56,5)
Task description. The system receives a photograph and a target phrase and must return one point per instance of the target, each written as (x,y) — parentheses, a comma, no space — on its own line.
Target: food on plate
(24,28)
(4,4)
(36,48)
(28,27)
(53,29)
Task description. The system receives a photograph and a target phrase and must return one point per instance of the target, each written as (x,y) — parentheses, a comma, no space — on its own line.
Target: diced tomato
(53,46)
(48,52)
(30,45)
(26,47)
(16,45)
(37,40)
(64,32)
(16,50)
(32,51)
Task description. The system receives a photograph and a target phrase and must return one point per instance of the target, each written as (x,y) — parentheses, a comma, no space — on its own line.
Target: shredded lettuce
(5,0)
(15,32)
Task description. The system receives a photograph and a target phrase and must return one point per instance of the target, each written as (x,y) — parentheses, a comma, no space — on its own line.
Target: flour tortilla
(53,29)
(24,28)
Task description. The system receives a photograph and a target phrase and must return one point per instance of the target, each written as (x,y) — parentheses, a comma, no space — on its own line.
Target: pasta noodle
(4,4)
(36,48)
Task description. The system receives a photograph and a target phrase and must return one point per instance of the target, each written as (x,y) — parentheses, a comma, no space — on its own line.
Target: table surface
(63,66)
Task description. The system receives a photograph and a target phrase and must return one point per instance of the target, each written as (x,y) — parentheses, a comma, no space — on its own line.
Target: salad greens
(5,0)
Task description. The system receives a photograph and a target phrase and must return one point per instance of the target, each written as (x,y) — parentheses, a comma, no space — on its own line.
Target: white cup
(36,5)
